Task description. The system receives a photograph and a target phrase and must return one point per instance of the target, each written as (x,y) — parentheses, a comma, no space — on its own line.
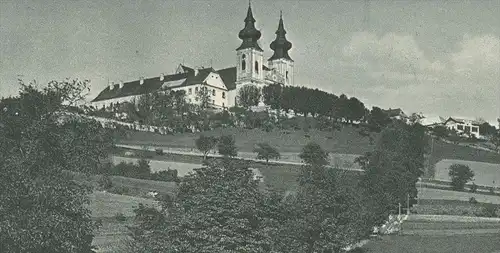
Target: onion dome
(249,34)
(281,45)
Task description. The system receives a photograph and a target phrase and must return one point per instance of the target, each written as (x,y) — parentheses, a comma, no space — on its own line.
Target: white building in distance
(223,84)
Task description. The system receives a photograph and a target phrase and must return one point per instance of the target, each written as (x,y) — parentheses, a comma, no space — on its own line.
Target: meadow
(487,174)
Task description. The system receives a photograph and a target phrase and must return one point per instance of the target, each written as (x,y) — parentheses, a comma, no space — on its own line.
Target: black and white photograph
(250,126)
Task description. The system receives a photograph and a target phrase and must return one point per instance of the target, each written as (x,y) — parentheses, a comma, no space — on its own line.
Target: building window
(213,92)
(256,67)
(460,127)
(286,75)
(196,90)
(213,101)
(467,129)
(190,91)
(243,63)
(223,105)
(475,129)
(223,94)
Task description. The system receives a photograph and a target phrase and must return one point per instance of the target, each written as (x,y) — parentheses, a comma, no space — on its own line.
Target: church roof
(280,45)
(228,76)
(249,34)
(152,84)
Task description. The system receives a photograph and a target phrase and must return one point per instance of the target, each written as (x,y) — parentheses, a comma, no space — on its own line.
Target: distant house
(431,122)
(396,114)
(464,126)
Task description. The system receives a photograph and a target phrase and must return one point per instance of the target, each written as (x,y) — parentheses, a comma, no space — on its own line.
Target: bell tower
(281,61)
(249,55)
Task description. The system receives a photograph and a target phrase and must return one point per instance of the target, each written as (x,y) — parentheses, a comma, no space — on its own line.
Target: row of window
(190,91)
(474,129)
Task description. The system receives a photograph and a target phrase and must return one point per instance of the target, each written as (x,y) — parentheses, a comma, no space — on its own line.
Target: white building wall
(460,127)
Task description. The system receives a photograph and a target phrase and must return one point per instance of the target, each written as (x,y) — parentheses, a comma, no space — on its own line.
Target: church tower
(249,55)
(281,61)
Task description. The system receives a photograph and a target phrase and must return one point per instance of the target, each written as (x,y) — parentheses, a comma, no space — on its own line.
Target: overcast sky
(436,57)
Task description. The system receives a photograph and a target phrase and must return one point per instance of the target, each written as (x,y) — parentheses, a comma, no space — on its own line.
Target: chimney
(121,84)
(141,81)
(196,72)
(111,85)
(162,77)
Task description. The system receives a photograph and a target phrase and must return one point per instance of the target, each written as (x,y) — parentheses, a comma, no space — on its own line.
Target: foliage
(227,146)
(249,95)
(460,174)
(219,208)
(120,217)
(165,175)
(141,170)
(266,152)
(203,98)
(473,188)
(205,144)
(393,168)
(440,131)
(378,118)
(325,215)
(313,154)
(43,209)
(105,182)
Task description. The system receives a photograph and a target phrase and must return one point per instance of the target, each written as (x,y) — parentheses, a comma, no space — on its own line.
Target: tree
(313,154)
(205,144)
(324,215)
(203,98)
(378,119)
(219,208)
(43,209)
(266,152)
(441,131)
(460,174)
(227,146)
(393,168)
(249,95)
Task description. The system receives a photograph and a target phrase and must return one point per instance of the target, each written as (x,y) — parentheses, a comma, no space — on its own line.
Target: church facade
(223,85)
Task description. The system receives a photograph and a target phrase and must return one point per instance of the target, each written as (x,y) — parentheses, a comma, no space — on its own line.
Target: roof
(154,83)
(460,120)
(394,112)
(228,76)
(430,121)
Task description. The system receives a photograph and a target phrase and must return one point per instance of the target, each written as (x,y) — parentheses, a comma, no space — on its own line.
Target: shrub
(472,200)
(489,210)
(105,182)
(460,174)
(227,146)
(159,151)
(166,175)
(120,217)
(473,187)
(266,152)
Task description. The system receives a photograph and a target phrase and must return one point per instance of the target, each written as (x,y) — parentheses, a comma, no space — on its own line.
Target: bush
(473,200)
(460,174)
(105,182)
(166,175)
(489,210)
(159,151)
(120,217)
(473,188)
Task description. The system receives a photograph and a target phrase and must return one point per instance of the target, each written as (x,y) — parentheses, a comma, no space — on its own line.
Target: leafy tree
(378,119)
(219,208)
(227,146)
(205,144)
(143,170)
(313,154)
(249,95)
(203,98)
(356,109)
(441,131)
(325,215)
(487,129)
(266,152)
(460,174)
(43,209)
(393,168)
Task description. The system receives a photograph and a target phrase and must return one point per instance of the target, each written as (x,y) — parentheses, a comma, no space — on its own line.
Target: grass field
(487,243)
(346,141)
(485,173)
(112,235)
(438,194)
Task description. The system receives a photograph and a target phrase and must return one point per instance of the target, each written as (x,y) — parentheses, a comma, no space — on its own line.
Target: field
(468,243)
(346,141)
(112,235)
(438,194)
(487,174)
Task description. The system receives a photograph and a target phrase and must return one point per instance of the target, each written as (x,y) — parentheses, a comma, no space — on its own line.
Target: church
(223,85)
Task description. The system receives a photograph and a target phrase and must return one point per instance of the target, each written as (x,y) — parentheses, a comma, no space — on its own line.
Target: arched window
(256,67)
(243,62)
(287,75)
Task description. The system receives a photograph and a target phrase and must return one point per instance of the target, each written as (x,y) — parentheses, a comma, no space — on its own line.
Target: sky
(437,57)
